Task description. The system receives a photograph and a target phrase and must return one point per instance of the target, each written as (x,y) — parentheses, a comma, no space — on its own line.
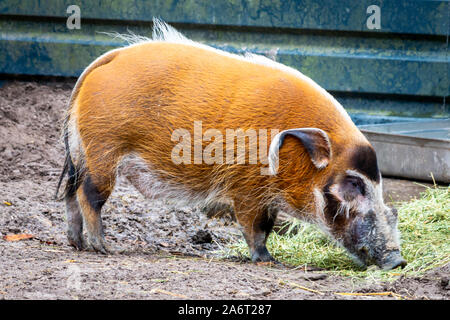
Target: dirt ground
(171,253)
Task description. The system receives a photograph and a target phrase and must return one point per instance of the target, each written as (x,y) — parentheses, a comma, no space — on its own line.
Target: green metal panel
(401,69)
(420,17)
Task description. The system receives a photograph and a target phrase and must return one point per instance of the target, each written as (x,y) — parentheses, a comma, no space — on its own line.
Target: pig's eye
(354,185)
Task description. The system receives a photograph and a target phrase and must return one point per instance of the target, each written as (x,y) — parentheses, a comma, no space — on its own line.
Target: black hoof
(262,255)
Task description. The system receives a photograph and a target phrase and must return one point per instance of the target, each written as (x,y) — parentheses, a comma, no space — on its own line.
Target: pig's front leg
(256,229)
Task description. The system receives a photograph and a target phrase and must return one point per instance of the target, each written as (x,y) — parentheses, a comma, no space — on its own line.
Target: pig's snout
(394,260)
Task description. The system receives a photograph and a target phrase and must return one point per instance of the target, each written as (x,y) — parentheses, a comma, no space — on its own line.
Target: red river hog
(186,121)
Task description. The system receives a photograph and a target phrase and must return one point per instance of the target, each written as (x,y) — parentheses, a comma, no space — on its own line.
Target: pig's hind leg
(96,187)
(74,222)
(91,201)
(73,212)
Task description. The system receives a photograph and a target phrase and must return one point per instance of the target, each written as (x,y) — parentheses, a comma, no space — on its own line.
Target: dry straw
(424,224)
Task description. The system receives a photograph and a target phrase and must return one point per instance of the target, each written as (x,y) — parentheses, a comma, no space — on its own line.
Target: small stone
(445,283)
(315,276)
(202,236)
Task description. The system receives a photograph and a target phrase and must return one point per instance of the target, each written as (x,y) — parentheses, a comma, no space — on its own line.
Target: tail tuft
(74,174)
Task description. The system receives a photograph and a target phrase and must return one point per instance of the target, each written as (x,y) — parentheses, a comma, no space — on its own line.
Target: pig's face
(357,217)
(349,204)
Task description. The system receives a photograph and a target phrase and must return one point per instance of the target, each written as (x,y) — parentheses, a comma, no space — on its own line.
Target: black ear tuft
(315,141)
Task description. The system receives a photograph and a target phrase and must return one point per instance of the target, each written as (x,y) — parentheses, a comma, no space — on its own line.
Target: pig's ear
(315,141)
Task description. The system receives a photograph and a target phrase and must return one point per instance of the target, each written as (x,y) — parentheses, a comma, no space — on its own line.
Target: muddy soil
(171,252)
